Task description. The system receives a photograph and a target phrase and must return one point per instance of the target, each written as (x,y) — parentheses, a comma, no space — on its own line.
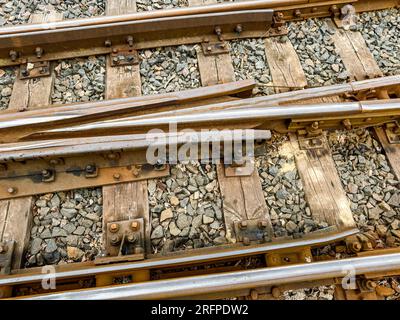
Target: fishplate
(286,257)
(124,241)
(214,48)
(124,57)
(392,131)
(248,231)
(36,69)
(243,169)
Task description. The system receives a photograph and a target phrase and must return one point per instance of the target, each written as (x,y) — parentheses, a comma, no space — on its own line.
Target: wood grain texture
(33,93)
(243,199)
(117,7)
(392,151)
(127,200)
(16,214)
(357,58)
(215,69)
(322,186)
(284,65)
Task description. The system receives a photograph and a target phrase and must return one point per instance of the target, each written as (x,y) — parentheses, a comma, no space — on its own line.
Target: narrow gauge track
(187,272)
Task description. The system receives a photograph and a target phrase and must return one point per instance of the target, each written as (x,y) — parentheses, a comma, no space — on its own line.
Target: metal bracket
(392,131)
(126,238)
(318,142)
(246,168)
(276,259)
(214,48)
(252,231)
(124,57)
(36,69)
(278,27)
(6,252)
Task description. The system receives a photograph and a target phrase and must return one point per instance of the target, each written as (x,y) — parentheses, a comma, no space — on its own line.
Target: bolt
(114,227)
(254,294)
(129,40)
(347,124)
(297,13)
(276,292)
(117,176)
(54,162)
(12,190)
(279,15)
(315,125)
(136,171)
(262,224)
(90,168)
(116,60)
(209,48)
(115,240)
(24,71)
(115,50)
(135,225)
(246,241)
(238,28)
(243,224)
(218,30)
(108,43)
(46,174)
(131,238)
(13,55)
(355,246)
(39,52)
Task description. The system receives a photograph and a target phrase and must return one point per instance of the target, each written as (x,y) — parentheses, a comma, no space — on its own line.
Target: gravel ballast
(67,227)
(312,40)
(148,5)
(169,69)
(249,62)
(186,209)
(370,185)
(79,80)
(283,190)
(19,12)
(381,31)
(7,78)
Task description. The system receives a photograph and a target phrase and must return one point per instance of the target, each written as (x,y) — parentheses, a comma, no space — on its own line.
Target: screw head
(115,239)
(243,224)
(108,43)
(114,227)
(135,225)
(131,237)
(262,224)
(12,190)
(117,176)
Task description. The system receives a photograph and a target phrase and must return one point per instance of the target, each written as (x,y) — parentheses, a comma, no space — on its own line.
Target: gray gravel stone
(169,69)
(7,77)
(58,223)
(318,293)
(79,80)
(283,190)
(381,31)
(249,62)
(191,222)
(148,5)
(19,12)
(315,48)
(369,182)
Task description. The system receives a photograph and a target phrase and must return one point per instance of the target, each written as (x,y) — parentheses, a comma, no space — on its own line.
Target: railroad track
(253,240)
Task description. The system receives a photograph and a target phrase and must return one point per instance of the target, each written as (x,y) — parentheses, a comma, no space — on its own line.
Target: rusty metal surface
(48,181)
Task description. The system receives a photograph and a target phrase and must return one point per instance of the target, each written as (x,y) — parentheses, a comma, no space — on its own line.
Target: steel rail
(155,14)
(185,258)
(225,282)
(260,114)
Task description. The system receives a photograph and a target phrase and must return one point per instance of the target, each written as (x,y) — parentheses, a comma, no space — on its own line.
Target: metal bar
(184,258)
(261,114)
(225,282)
